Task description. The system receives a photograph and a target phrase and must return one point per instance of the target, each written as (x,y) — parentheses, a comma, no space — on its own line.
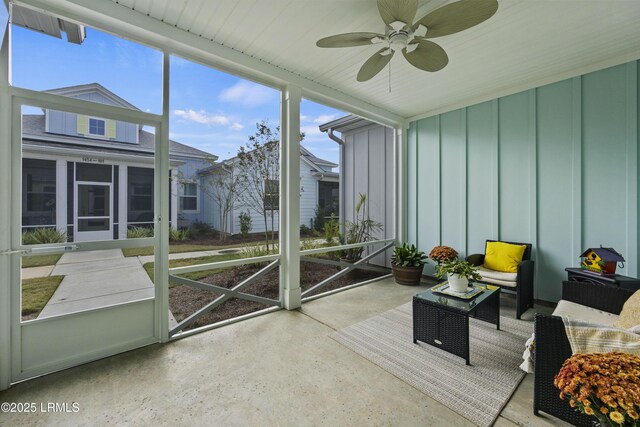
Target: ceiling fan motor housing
(399,39)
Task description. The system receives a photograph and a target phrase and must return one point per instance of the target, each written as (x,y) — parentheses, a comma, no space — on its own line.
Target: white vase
(457,283)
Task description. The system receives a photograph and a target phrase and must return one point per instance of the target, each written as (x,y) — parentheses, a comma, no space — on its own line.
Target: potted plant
(602,385)
(459,274)
(443,253)
(407,264)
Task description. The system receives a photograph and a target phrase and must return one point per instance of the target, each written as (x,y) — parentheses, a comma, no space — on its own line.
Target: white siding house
(92,177)
(366,167)
(314,172)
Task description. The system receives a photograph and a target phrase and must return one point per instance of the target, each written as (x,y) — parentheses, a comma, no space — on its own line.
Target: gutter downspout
(341,212)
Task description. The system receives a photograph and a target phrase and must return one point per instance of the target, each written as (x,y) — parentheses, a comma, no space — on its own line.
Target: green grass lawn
(180,248)
(40,260)
(193,261)
(176,249)
(37,292)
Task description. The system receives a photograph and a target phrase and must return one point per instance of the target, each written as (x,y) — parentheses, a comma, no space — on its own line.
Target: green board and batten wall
(556,166)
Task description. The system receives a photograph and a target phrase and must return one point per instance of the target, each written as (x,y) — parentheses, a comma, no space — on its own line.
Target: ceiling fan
(412,38)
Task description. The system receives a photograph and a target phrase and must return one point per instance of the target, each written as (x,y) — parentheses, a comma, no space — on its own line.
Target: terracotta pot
(409,276)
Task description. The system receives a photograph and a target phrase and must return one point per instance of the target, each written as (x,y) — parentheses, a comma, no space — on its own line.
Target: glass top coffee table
(443,321)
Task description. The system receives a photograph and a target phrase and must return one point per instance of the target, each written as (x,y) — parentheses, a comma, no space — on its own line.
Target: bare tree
(259,172)
(222,184)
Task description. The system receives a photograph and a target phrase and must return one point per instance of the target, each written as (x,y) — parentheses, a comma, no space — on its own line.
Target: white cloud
(248,94)
(304,118)
(311,131)
(202,117)
(236,126)
(324,118)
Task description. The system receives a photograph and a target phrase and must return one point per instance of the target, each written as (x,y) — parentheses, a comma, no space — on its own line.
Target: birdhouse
(601,260)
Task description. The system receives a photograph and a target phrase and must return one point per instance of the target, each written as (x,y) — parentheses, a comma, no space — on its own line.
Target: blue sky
(210,110)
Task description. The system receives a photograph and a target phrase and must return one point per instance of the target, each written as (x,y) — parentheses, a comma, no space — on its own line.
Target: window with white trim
(97,127)
(189,197)
(271,194)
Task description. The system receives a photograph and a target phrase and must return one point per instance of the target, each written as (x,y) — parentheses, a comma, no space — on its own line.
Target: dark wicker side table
(443,321)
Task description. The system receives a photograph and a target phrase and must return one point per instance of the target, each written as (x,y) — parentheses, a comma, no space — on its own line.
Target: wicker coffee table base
(448,329)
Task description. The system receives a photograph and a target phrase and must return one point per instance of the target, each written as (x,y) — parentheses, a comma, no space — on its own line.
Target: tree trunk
(266,232)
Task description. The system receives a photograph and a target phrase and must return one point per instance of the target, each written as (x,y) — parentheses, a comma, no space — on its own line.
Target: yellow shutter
(83,124)
(110,130)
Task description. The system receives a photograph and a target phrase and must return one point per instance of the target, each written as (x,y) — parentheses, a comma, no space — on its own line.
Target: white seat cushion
(497,277)
(584,313)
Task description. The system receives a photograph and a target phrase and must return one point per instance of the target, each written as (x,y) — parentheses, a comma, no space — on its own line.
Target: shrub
(139,232)
(245,223)
(331,229)
(319,219)
(258,250)
(179,235)
(305,231)
(38,236)
(201,228)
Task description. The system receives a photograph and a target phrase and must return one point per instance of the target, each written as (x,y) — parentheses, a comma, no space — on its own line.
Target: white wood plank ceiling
(525,44)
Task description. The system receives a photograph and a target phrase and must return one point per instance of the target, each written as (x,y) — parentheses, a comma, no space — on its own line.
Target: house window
(97,127)
(140,190)
(189,197)
(271,194)
(38,192)
(328,197)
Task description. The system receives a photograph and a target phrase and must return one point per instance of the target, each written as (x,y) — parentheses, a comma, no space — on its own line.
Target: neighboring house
(93,177)
(319,189)
(367,166)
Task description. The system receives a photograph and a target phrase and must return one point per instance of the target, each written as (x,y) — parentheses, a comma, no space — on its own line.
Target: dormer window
(97,127)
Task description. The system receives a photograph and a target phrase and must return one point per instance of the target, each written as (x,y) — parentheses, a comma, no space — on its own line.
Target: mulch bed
(185,300)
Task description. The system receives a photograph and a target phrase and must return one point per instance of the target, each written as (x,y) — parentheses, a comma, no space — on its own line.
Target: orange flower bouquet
(443,253)
(603,385)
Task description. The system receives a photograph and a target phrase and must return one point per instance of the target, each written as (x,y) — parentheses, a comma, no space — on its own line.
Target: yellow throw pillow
(630,314)
(500,256)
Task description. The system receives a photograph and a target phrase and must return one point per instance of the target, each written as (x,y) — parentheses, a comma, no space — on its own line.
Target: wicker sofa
(552,346)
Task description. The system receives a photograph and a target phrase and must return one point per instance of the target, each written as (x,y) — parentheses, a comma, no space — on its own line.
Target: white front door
(93,211)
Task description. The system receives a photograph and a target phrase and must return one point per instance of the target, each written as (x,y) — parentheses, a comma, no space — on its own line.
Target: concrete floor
(277,369)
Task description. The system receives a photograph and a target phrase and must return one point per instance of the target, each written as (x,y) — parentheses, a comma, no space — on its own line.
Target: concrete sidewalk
(74,258)
(95,279)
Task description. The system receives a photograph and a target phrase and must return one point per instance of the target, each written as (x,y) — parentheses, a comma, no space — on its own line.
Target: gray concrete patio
(278,369)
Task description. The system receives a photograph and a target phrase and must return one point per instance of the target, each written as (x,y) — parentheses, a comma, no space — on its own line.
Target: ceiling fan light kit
(402,34)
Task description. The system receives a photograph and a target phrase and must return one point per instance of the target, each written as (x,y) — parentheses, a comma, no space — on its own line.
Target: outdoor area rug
(477,392)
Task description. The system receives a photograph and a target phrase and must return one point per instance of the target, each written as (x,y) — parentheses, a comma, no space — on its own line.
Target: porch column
(123,190)
(290,197)
(400,144)
(173,215)
(61,195)
(5,212)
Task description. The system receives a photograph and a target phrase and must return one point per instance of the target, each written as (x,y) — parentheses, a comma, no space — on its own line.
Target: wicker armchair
(524,281)
(552,347)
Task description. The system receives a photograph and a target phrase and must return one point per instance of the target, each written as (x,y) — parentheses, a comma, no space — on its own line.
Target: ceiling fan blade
(456,17)
(428,56)
(375,64)
(397,10)
(350,39)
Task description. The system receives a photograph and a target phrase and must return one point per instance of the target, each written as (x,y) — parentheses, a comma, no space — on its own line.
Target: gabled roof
(606,254)
(305,155)
(72,91)
(317,161)
(33,128)
(345,124)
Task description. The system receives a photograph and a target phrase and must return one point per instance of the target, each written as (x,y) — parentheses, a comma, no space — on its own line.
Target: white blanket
(586,337)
